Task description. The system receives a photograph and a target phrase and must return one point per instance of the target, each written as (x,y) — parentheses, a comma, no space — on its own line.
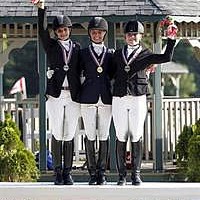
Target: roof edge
(187,19)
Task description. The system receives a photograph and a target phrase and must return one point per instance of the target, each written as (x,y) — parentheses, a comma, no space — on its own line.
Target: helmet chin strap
(136,44)
(97,42)
(64,39)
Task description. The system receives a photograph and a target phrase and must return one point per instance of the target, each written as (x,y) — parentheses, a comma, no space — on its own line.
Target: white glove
(50,73)
(38,3)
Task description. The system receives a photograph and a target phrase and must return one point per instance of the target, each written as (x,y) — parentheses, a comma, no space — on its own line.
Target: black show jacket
(95,84)
(135,81)
(56,61)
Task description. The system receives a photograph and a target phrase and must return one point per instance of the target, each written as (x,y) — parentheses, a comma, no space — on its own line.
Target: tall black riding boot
(91,161)
(102,162)
(57,160)
(121,161)
(136,162)
(68,150)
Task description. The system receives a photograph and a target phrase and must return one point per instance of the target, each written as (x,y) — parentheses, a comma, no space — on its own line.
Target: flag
(19,86)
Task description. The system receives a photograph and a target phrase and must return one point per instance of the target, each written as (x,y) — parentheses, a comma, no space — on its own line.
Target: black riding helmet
(134,27)
(98,23)
(61,21)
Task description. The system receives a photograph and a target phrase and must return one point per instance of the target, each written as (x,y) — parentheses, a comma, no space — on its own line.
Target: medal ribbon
(99,64)
(65,57)
(133,57)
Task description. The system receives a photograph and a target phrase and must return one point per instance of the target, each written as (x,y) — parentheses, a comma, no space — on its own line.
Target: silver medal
(66,67)
(127,68)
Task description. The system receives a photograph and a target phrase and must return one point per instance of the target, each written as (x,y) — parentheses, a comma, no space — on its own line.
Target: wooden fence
(175,114)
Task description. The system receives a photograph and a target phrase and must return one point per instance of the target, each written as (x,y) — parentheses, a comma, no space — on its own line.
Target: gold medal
(127,68)
(99,69)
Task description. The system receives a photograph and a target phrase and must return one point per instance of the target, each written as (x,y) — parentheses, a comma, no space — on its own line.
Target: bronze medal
(127,68)
(99,69)
(66,67)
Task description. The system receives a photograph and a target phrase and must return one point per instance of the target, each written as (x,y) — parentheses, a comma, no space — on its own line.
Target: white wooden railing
(175,114)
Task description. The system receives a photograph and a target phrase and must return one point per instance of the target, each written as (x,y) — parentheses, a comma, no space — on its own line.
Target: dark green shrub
(196,127)
(188,152)
(182,146)
(16,162)
(193,170)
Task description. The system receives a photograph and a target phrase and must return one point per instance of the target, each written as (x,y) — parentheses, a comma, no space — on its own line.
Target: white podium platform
(82,191)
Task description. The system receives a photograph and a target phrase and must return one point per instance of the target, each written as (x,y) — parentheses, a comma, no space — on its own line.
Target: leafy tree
(184,53)
(187,86)
(22,62)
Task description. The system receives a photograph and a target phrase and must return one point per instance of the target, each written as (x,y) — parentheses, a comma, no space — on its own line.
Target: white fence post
(175,114)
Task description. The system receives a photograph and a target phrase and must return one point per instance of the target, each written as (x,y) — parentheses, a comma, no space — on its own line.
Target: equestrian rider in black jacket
(129,95)
(96,98)
(63,85)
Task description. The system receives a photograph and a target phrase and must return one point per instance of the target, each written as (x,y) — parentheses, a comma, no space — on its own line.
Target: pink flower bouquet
(168,28)
(35,1)
(38,3)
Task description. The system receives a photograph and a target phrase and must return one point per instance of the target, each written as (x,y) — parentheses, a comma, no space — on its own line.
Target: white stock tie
(65,44)
(130,49)
(98,48)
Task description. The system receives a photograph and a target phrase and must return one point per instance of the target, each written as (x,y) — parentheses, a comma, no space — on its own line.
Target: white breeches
(129,113)
(96,117)
(63,116)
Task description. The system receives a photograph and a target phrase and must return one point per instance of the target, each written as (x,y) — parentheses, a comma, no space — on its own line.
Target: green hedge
(16,162)
(188,152)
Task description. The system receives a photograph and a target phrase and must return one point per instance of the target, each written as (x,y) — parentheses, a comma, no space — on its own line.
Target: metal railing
(175,114)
